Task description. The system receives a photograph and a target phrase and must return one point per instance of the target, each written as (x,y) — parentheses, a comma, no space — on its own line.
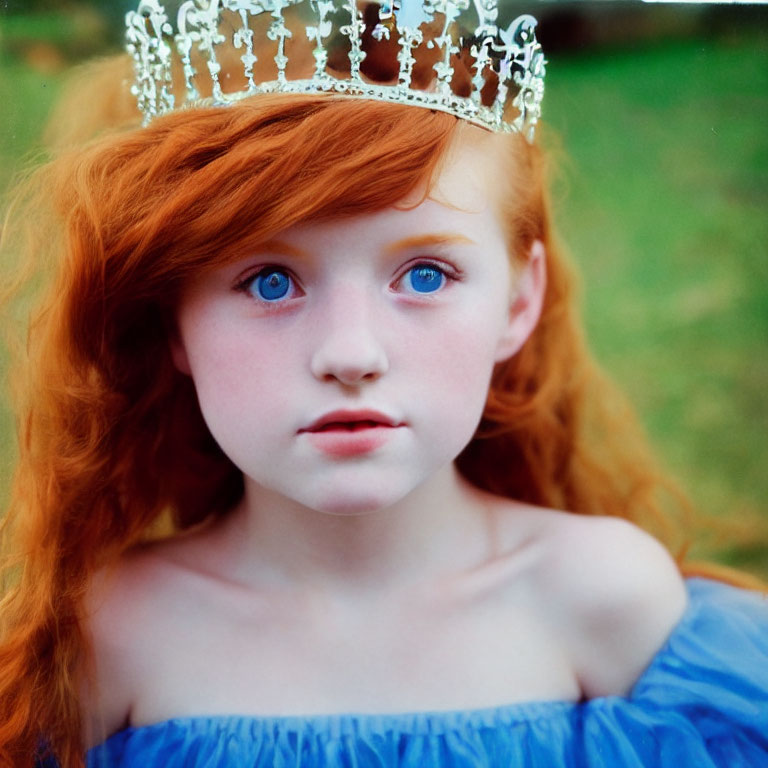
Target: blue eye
(271,285)
(425,278)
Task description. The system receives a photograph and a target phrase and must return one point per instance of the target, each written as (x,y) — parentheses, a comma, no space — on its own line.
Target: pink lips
(347,433)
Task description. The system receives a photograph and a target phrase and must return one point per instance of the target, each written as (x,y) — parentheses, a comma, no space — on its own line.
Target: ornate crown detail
(509,57)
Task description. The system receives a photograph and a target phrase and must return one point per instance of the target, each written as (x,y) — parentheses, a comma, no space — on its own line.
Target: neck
(439,529)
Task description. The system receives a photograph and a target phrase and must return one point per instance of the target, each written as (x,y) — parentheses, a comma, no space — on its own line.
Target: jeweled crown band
(500,65)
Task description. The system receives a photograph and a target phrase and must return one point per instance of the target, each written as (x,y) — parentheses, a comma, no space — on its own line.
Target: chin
(348,504)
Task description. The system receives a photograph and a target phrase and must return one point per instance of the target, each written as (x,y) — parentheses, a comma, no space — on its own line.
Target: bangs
(211,184)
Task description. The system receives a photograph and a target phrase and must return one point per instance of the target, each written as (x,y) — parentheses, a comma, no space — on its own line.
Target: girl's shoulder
(611,589)
(128,608)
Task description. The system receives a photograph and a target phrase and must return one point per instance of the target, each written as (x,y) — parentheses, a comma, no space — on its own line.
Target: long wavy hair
(111,442)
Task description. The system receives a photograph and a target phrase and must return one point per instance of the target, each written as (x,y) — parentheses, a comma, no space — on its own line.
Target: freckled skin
(352,333)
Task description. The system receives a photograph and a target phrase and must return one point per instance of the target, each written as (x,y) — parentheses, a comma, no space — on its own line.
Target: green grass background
(664,205)
(663,202)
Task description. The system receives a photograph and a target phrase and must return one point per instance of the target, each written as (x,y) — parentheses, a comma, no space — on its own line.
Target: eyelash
(451,274)
(245,285)
(448,272)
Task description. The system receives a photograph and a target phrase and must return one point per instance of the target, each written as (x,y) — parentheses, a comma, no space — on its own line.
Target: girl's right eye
(271,284)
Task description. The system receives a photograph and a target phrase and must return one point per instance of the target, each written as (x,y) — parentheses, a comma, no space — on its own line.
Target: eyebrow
(407,243)
(419,241)
(279,246)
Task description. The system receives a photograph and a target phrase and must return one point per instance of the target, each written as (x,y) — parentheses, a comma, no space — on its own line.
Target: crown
(508,58)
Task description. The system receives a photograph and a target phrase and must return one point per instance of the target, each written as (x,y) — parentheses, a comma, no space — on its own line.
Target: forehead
(471,173)
(463,199)
(430,223)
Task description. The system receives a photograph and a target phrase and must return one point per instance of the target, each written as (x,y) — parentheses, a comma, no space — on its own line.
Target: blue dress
(701,703)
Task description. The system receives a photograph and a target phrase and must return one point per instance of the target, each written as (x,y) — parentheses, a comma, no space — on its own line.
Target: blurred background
(658,117)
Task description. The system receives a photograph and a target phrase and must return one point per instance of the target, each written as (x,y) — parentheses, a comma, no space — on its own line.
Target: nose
(348,348)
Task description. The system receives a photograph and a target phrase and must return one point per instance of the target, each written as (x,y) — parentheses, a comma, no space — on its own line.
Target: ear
(177,349)
(527,299)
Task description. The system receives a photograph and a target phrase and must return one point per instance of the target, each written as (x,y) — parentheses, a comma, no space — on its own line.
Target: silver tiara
(510,56)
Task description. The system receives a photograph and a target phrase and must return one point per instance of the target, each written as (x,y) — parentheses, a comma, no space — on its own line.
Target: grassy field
(663,204)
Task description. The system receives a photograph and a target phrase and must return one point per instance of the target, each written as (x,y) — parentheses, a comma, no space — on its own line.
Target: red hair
(111,439)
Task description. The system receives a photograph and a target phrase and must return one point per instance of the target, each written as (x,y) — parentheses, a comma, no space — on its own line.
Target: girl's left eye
(424,278)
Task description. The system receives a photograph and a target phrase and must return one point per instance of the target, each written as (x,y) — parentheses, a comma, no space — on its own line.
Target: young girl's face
(345,362)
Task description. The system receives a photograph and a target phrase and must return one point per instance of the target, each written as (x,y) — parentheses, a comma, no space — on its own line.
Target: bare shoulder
(127,609)
(614,591)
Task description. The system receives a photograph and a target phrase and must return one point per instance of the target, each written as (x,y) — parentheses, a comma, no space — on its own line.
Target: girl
(314,468)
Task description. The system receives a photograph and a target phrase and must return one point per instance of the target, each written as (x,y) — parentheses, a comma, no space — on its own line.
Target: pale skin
(377,580)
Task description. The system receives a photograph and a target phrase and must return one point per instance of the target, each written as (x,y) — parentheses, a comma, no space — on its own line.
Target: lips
(350,435)
(350,421)
(349,426)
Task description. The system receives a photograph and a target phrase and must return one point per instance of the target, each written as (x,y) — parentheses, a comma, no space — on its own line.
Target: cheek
(456,363)
(241,377)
